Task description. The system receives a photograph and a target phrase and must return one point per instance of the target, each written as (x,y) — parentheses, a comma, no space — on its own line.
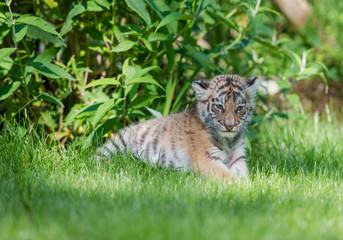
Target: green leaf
(220,16)
(266,9)
(51,3)
(294,57)
(284,84)
(83,110)
(162,10)
(6,52)
(266,43)
(142,101)
(204,4)
(145,79)
(155,113)
(139,7)
(103,81)
(171,83)
(103,109)
(200,57)
(154,37)
(20,31)
(89,6)
(100,131)
(4,30)
(131,90)
(141,72)
(38,22)
(45,118)
(147,44)
(126,66)
(184,89)
(7,90)
(103,3)
(170,90)
(159,7)
(43,64)
(136,113)
(50,70)
(37,33)
(247,140)
(172,17)
(123,46)
(48,98)
(170,55)
(6,68)
(3,16)
(293,99)
(47,56)
(310,71)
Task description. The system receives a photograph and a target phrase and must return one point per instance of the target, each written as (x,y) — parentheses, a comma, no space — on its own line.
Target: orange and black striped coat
(209,138)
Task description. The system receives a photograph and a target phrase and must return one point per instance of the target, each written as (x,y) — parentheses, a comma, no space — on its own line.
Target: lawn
(295,191)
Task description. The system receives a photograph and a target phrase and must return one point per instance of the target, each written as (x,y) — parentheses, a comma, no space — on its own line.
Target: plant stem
(153,57)
(256,8)
(17,50)
(183,91)
(111,57)
(228,47)
(170,89)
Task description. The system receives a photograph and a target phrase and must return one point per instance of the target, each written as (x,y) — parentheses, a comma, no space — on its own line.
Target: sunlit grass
(295,191)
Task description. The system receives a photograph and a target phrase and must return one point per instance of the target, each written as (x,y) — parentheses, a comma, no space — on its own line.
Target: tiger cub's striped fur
(209,138)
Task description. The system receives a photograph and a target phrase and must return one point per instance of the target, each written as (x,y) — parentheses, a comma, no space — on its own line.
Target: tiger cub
(209,138)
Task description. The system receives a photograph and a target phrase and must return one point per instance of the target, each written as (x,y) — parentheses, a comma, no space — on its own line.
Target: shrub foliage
(86,67)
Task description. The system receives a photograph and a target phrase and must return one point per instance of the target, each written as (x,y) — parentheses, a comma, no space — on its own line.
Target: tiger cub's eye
(239,108)
(219,107)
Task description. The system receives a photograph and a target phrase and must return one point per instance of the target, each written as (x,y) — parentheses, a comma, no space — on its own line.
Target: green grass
(295,191)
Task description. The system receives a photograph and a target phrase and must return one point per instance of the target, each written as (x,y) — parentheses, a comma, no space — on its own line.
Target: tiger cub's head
(226,103)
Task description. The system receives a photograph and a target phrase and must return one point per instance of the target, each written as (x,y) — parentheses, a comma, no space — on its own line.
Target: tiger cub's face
(226,103)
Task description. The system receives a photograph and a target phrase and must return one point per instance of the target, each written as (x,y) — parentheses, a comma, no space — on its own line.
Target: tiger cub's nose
(229,127)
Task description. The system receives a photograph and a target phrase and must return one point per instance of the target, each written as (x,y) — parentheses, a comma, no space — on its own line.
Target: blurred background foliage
(88,68)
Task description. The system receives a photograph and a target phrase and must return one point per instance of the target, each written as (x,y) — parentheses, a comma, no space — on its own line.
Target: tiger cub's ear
(201,89)
(251,85)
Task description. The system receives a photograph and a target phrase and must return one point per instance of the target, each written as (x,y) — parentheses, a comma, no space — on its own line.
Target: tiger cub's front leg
(211,168)
(237,164)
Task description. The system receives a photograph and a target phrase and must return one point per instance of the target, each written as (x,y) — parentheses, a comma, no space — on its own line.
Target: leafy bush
(325,36)
(112,63)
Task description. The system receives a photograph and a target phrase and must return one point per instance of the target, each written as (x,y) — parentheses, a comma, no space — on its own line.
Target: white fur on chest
(239,167)
(227,154)
(227,158)
(223,156)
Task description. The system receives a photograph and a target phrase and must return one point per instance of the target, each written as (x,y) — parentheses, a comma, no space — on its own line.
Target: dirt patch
(313,97)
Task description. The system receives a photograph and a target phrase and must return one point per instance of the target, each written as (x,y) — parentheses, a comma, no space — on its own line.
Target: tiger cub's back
(164,140)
